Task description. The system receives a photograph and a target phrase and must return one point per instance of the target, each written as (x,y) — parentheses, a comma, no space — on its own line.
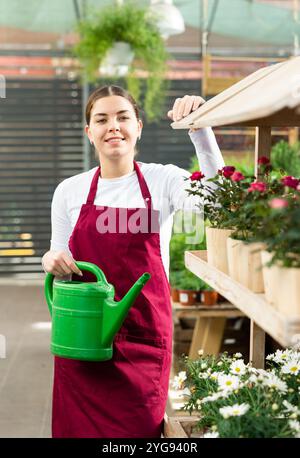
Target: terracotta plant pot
(217,247)
(234,254)
(209,297)
(198,296)
(175,294)
(187,296)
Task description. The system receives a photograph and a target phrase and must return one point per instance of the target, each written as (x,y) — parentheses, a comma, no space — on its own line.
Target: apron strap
(143,186)
(93,188)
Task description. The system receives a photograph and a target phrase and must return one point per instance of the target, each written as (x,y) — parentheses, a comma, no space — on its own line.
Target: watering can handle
(49,291)
(82,265)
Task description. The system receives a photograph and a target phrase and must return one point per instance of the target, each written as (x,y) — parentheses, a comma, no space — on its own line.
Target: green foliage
(185,279)
(286,158)
(180,277)
(281,232)
(194,164)
(131,24)
(245,164)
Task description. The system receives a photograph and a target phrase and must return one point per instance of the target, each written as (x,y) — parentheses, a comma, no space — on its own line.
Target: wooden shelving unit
(209,327)
(267,98)
(263,316)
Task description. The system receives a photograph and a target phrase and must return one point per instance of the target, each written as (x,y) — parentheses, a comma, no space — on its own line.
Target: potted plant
(130,25)
(221,197)
(209,296)
(175,283)
(231,399)
(246,242)
(180,278)
(188,287)
(281,259)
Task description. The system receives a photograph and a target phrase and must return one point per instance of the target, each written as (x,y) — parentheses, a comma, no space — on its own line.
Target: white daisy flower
(258,372)
(290,407)
(281,356)
(234,411)
(179,380)
(186,392)
(210,435)
(238,355)
(295,425)
(228,382)
(214,397)
(214,376)
(238,367)
(291,367)
(200,352)
(203,365)
(253,378)
(203,375)
(272,381)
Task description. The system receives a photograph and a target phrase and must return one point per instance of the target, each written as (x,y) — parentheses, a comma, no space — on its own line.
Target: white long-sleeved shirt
(166,183)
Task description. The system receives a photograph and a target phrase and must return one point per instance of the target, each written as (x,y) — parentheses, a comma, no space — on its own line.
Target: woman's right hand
(59,263)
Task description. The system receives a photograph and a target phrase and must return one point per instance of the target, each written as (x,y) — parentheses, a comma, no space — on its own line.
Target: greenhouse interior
(173,127)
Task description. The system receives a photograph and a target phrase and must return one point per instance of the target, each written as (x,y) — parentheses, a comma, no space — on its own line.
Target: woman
(125,396)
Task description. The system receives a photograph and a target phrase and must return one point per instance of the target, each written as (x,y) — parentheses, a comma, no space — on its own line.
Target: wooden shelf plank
(284,330)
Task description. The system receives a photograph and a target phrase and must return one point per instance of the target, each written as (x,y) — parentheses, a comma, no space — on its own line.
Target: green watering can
(85,317)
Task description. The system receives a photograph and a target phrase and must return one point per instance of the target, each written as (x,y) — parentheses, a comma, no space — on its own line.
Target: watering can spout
(116,312)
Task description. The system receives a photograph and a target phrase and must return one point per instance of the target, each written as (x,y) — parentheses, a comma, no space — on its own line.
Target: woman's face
(113,128)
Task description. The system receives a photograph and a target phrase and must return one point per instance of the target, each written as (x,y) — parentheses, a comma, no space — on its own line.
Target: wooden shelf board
(223,309)
(283,329)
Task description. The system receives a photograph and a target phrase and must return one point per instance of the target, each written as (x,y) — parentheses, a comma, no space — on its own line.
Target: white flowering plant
(236,400)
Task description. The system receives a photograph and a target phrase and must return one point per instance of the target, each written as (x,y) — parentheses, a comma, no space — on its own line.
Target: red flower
(228,170)
(237,176)
(290,181)
(257,186)
(278,203)
(197,176)
(263,160)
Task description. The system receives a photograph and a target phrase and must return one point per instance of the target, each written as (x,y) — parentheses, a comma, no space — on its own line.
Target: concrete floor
(26,372)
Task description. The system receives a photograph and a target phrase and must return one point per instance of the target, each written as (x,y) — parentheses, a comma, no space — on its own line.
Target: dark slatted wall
(41,144)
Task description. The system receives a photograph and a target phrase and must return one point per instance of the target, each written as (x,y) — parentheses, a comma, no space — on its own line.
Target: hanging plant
(133,25)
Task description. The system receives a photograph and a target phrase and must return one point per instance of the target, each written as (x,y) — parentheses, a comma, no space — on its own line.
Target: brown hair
(106,91)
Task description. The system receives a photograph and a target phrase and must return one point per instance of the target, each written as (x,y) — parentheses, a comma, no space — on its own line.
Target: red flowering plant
(220,195)
(255,220)
(235,201)
(280,225)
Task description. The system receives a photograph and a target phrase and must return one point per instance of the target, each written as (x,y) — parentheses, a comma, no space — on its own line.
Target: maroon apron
(127,395)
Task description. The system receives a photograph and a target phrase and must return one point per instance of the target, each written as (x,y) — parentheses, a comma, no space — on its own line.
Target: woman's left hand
(184,106)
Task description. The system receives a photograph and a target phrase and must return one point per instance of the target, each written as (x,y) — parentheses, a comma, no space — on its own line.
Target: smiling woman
(127,395)
(113,126)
